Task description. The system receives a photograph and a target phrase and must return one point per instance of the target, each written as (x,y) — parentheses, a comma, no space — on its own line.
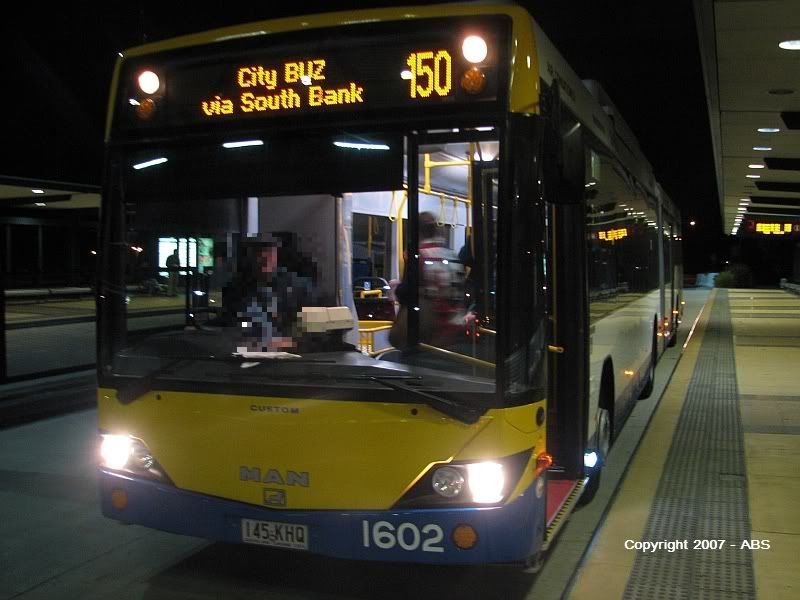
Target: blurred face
(268,259)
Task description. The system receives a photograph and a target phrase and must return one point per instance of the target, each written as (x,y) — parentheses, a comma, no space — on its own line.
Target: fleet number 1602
(408,536)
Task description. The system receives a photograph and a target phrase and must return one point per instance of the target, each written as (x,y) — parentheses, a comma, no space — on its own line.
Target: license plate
(277,535)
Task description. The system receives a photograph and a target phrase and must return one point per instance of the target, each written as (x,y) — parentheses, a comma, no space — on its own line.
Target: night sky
(645,54)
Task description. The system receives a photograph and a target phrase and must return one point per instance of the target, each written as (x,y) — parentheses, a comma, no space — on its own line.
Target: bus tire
(534,563)
(604,429)
(651,372)
(673,339)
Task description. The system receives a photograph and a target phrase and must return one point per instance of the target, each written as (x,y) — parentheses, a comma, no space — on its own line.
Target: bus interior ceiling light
(150,163)
(361,146)
(243,144)
(149,82)
(474,49)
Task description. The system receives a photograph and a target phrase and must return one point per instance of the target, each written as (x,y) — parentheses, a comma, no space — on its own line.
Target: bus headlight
(448,482)
(115,450)
(486,482)
(131,455)
(466,483)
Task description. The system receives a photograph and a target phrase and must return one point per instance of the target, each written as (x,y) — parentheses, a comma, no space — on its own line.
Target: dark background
(58,67)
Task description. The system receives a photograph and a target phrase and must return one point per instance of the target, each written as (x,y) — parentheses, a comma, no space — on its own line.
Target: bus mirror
(572,167)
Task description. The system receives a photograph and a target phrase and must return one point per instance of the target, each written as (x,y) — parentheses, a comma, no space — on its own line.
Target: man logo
(274,497)
(274,476)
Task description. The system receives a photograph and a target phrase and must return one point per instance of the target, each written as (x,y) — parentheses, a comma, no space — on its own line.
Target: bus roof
(534,58)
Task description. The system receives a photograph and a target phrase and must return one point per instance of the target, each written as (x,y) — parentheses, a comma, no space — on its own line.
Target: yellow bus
(376,285)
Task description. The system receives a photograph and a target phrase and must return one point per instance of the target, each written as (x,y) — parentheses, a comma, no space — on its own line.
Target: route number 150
(431,72)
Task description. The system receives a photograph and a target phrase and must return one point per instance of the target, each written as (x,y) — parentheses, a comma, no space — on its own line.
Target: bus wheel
(534,563)
(603,446)
(651,374)
(674,337)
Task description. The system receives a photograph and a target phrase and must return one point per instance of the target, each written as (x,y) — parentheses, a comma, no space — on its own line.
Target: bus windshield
(287,262)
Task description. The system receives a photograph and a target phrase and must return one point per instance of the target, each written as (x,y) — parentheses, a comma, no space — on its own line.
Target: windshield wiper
(460,412)
(144,384)
(137,388)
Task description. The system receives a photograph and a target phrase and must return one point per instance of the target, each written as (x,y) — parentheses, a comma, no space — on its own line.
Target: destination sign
(612,235)
(424,65)
(777,228)
(298,84)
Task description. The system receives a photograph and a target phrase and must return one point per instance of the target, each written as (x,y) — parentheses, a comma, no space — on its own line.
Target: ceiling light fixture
(768,130)
(790,45)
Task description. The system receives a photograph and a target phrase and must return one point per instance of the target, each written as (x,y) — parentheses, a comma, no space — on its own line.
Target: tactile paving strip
(702,494)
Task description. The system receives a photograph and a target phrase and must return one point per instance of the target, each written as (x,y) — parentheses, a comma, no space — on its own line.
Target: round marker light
(448,482)
(474,49)
(473,81)
(119,498)
(465,537)
(146,109)
(149,82)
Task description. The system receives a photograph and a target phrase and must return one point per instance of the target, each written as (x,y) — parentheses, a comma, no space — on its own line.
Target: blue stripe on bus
(505,534)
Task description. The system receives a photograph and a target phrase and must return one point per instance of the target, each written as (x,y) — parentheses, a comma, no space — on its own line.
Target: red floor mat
(557,492)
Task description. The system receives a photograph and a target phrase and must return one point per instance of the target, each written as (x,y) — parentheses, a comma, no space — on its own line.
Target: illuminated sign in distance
(613,235)
(775,228)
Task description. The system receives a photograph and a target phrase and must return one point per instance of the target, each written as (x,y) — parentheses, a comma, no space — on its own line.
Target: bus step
(563,513)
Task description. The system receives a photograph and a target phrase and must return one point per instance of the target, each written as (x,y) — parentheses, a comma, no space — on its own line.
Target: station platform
(708,505)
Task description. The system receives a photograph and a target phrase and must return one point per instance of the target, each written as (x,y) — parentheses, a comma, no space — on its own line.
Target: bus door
(569,334)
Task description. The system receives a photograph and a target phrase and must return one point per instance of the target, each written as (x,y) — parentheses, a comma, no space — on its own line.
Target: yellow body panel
(524,93)
(358,455)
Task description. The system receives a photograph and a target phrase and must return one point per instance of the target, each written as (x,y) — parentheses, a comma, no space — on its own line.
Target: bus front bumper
(503,534)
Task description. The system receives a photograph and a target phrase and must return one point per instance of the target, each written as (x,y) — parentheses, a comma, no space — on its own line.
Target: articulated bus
(252,388)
